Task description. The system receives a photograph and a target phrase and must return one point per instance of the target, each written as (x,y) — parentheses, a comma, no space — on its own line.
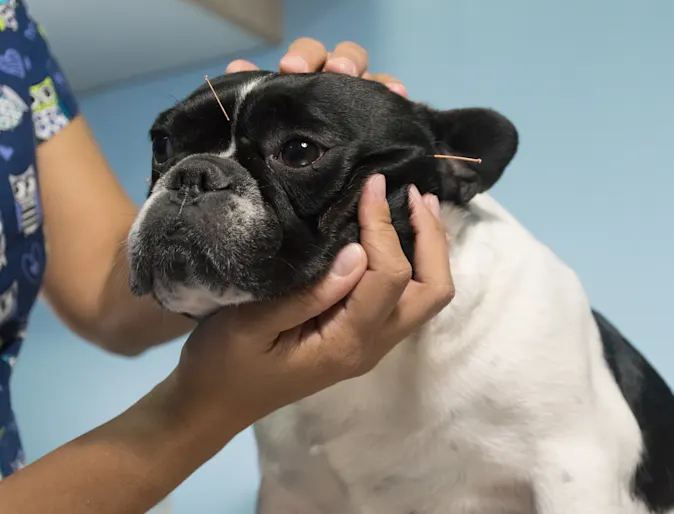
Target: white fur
(241,95)
(199,300)
(503,404)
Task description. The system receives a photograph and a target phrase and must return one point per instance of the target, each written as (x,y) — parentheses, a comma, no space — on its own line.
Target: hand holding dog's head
(258,207)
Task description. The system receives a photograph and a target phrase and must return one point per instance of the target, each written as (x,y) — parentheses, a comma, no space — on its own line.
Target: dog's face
(258,207)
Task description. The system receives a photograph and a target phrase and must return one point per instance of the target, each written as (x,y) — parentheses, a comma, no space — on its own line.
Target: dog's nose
(197,175)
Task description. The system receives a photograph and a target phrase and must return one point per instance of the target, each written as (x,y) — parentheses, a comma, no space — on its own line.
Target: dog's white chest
(391,444)
(379,473)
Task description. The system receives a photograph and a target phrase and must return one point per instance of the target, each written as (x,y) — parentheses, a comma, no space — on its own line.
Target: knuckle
(309,44)
(444,294)
(351,47)
(316,46)
(378,227)
(381,218)
(402,273)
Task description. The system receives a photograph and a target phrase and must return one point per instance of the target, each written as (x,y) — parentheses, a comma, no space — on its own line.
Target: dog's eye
(298,153)
(162,149)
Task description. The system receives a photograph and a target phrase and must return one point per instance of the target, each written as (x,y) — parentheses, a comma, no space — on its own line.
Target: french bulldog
(518,398)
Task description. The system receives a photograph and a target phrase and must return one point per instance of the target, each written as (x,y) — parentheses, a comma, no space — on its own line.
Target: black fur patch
(652,403)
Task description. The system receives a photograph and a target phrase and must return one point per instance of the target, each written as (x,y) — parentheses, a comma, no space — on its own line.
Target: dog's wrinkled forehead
(266,107)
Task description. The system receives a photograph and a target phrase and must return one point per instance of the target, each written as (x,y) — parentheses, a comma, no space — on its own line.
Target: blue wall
(589,85)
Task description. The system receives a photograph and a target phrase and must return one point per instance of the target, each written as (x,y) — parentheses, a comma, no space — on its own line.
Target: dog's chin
(184,280)
(198,301)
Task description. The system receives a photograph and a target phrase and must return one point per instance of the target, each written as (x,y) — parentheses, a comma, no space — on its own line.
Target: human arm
(244,363)
(88,215)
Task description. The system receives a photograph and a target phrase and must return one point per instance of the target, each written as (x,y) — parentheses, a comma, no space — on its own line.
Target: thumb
(348,268)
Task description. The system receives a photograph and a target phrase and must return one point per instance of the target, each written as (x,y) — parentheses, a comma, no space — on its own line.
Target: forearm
(125,466)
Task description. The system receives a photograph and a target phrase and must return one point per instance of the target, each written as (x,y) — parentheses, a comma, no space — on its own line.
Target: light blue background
(589,85)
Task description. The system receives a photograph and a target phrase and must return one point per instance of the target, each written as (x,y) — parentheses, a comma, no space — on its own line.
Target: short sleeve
(53,104)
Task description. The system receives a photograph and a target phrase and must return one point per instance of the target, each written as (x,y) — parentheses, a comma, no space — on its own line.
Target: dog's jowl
(518,398)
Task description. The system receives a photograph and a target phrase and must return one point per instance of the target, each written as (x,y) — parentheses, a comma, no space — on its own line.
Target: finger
(433,287)
(304,55)
(388,273)
(431,262)
(349,59)
(377,234)
(279,316)
(390,82)
(385,78)
(240,65)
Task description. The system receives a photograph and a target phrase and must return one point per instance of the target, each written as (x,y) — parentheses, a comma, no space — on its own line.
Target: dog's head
(259,206)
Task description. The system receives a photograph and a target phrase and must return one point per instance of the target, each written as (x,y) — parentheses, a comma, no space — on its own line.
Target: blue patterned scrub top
(35,104)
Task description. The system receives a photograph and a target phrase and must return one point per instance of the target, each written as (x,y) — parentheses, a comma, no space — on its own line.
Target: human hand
(308,55)
(244,363)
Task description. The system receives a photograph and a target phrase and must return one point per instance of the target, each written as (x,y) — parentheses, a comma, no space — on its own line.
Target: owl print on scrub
(8,299)
(12,108)
(48,117)
(8,19)
(26,201)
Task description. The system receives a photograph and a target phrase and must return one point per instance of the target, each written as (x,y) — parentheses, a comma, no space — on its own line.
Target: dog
(518,398)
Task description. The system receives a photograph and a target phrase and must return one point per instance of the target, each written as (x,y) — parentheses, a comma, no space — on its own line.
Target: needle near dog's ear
(457,158)
(216,97)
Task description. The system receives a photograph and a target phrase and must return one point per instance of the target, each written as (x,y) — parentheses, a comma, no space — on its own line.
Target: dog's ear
(474,132)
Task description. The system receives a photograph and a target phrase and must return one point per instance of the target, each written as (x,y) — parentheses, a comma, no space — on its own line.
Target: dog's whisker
(216,97)
(287,263)
(458,158)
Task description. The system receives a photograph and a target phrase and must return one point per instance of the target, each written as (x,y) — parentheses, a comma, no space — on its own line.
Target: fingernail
(415,195)
(398,88)
(342,65)
(378,186)
(294,64)
(433,205)
(347,260)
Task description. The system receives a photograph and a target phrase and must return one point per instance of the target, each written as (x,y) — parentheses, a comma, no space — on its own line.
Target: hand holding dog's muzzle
(245,362)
